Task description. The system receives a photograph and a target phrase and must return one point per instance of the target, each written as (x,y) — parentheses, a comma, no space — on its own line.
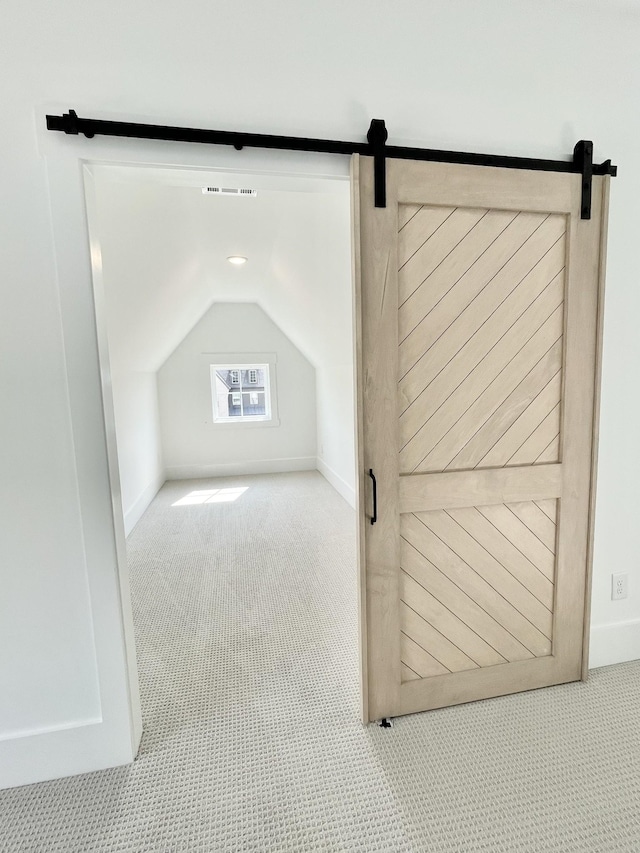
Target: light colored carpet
(247,637)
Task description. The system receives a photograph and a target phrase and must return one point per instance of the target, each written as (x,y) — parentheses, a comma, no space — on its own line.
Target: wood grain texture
(438,300)
(454,185)
(537,521)
(428,637)
(470,549)
(474,684)
(472,488)
(378,378)
(489,616)
(479,307)
(603,186)
(420,662)
(577,430)
(418,259)
(457,598)
(506,426)
(456,372)
(448,623)
(356,272)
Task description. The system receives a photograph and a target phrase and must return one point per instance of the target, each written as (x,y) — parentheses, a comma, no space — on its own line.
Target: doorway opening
(231,389)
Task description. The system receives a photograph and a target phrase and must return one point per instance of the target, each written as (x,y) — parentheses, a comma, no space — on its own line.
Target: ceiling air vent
(237,191)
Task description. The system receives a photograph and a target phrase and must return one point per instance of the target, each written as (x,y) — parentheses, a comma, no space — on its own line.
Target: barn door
(478,301)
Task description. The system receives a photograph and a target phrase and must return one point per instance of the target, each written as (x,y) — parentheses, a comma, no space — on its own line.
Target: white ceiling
(165,245)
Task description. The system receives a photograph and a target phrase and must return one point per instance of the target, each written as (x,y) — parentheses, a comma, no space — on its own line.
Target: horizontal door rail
(375,146)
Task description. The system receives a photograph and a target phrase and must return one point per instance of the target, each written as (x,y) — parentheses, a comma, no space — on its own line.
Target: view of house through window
(240,392)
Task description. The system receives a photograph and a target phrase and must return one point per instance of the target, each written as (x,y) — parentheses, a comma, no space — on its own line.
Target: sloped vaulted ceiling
(165,245)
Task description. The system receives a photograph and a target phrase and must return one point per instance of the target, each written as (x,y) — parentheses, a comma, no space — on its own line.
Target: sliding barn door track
(375,146)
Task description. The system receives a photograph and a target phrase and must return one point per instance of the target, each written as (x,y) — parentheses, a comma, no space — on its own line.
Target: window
(240,393)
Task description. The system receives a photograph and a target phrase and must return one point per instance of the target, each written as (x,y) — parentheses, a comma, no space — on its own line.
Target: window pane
(240,392)
(222,395)
(253,403)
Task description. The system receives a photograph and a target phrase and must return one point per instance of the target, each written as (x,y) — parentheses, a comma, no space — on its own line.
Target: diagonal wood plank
(430,311)
(434,292)
(529,264)
(433,251)
(447,623)
(489,400)
(407,212)
(513,439)
(537,522)
(509,411)
(480,544)
(539,440)
(520,537)
(420,661)
(549,508)
(459,555)
(455,598)
(407,674)
(437,645)
(443,368)
(491,586)
(551,453)
(458,387)
(419,228)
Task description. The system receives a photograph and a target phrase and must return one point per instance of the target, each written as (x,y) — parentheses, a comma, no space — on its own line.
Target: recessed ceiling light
(237,259)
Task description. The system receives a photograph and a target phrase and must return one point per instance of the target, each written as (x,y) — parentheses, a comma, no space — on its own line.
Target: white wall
(335,428)
(528,77)
(196,447)
(313,302)
(164,247)
(135,402)
(134,390)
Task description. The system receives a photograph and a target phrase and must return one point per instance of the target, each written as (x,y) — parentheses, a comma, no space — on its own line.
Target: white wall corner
(614,643)
(341,486)
(133,515)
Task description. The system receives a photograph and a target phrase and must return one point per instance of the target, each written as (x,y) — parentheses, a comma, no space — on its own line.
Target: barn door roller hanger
(375,146)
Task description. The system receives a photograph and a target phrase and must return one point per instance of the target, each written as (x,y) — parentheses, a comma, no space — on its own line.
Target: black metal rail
(376,147)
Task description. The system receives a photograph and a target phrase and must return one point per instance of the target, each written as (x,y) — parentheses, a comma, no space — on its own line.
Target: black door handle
(374,517)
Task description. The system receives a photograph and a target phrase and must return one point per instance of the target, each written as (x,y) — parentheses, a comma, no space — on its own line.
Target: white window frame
(244,361)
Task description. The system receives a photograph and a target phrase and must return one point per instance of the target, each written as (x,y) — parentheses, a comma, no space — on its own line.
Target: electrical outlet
(619,586)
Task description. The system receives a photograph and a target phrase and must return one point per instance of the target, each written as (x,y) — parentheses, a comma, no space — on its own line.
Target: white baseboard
(614,643)
(232,469)
(68,750)
(133,515)
(341,486)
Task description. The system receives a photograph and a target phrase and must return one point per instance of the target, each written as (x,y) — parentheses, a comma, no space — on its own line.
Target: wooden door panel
(446,621)
(452,381)
(502,583)
(439,310)
(491,592)
(499,425)
(471,301)
(477,306)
